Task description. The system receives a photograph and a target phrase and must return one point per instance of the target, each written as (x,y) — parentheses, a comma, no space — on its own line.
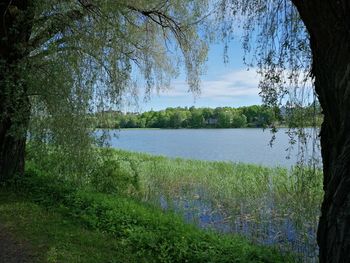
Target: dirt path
(11,250)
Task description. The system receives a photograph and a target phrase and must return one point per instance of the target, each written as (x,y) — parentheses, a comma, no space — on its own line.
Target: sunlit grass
(269,205)
(53,237)
(63,223)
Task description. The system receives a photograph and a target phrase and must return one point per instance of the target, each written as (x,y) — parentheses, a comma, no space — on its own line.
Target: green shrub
(114,174)
(111,178)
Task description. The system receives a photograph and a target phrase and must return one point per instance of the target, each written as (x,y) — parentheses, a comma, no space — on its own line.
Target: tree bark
(328,23)
(15,30)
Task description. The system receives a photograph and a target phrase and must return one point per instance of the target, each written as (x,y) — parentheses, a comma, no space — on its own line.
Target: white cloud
(233,84)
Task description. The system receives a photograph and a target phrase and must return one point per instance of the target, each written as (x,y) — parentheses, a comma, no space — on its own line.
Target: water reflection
(266,226)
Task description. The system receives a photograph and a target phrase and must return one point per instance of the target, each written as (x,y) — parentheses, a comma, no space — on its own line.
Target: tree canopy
(300,45)
(76,57)
(220,117)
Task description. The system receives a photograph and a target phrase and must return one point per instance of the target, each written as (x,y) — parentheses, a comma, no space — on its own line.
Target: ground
(12,250)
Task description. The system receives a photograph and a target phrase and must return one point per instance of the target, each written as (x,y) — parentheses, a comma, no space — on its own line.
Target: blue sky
(222,85)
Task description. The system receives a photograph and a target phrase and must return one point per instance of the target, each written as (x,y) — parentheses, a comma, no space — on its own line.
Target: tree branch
(58,23)
(163,20)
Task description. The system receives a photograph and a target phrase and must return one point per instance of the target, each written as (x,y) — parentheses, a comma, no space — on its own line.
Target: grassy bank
(53,237)
(66,222)
(268,205)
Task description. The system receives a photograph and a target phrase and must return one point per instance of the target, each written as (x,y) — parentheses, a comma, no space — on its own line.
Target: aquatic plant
(269,205)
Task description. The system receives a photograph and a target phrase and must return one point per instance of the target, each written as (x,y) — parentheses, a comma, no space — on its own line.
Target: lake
(249,145)
(267,218)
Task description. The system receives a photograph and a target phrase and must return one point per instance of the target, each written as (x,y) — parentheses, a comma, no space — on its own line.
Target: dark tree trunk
(15,109)
(15,31)
(328,23)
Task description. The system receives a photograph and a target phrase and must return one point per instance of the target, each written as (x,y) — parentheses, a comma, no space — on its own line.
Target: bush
(112,177)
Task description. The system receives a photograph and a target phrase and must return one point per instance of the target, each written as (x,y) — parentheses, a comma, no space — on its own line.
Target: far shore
(202,128)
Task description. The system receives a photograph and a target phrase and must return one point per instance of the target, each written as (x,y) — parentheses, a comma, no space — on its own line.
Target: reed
(268,205)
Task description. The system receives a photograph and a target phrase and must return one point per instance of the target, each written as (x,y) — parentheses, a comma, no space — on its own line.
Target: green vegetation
(122,201)
(265,204)
(67,222)
(222,117)
(60,60)
(54,237)
(225,117)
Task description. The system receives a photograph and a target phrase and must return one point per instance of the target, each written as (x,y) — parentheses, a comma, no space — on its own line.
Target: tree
(238,120)
(328,27)
(14,102)
(163,119)
(298,42)
(224,118)
(176,118)
(60,60)
(196,119)
(251,113)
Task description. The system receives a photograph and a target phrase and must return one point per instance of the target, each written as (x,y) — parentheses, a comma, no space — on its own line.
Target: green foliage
(238,120)
(104,171)
(276,42)
(145,233)
(54,237)
(76,164)
(243,194)
(115,175)
(227,117)
(309,116)
(88,56)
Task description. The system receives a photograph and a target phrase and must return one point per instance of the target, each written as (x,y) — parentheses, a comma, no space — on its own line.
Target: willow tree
(60,59)
(298,42)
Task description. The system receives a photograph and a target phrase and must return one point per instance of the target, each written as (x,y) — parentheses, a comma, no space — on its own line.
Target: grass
(64,222)
(54,237)
(268,205)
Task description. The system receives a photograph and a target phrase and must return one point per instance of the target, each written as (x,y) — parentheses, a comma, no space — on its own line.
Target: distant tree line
(221,117)
(255,116)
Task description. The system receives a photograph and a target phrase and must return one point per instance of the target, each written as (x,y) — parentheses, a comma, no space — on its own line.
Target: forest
(255,116)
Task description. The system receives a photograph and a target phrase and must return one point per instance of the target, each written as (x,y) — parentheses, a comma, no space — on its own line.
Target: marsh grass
(63,222)
(274,206)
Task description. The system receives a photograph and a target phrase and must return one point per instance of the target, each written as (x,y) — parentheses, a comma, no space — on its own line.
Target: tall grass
(268,205)
(67,222)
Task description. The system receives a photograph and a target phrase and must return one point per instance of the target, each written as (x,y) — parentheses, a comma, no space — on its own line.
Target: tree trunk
(15,29)
(328,23)
(15,109)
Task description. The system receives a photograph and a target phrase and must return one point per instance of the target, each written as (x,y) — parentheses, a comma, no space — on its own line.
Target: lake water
(236,145)
(273,226)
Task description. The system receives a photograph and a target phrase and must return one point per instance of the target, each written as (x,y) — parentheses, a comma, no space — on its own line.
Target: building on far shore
(212,121)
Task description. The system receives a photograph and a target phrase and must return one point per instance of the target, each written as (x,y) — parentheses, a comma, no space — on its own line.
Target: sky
(223,84)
